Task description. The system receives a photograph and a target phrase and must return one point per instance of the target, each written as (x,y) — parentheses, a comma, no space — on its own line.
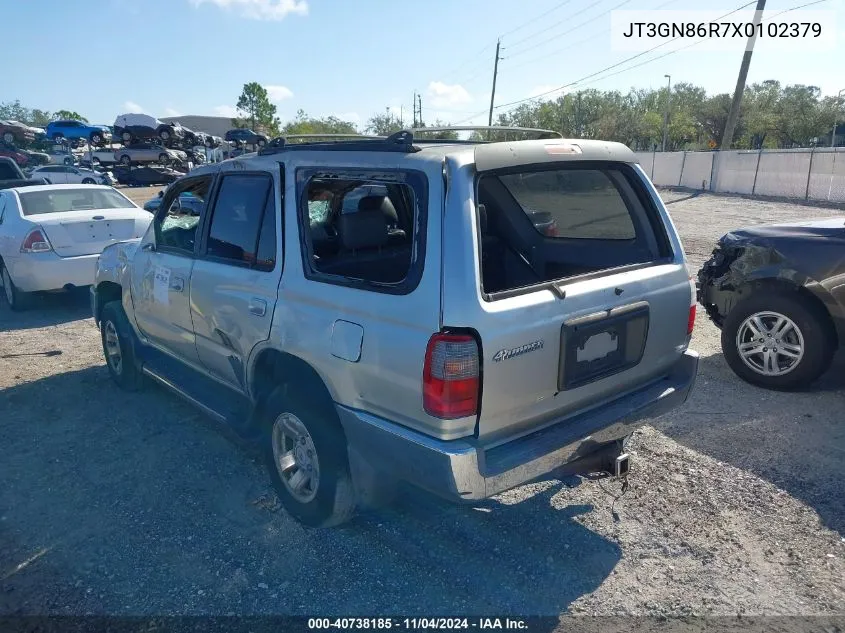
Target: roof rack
(540,132)
(401,141)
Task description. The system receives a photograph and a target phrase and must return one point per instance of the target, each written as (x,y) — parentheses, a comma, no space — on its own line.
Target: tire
(164,135)
(127,137)
(805,352)
(164,159)
(17,299)
(119,347)
(59,138)
(68,160)
(261,142)
(330,500)
(9,138)
(96,138)
(88,181)
(125,160)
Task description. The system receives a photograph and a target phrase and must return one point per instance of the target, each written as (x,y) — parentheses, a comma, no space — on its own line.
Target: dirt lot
(136,504)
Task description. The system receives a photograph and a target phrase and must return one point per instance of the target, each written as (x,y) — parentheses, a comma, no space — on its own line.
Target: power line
(578,26)
(534,19)
(579,42)
(550,27)
(624,61)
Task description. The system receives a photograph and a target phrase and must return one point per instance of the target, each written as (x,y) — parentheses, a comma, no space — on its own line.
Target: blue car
(186,199)
(243,135)
(71,130)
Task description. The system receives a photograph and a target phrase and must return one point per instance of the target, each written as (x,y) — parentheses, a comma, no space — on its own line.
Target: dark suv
(244,135)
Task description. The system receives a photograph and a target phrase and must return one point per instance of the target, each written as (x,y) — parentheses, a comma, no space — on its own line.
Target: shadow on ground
(138,498)
(795,440)
(47,309)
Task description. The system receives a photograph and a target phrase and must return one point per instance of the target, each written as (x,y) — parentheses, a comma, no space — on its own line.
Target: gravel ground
(122,503)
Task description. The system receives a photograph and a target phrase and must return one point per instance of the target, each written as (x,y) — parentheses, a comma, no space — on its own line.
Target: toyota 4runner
(462,316)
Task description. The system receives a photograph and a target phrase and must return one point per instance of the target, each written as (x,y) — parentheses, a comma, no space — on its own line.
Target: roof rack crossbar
(487,128)
(401,141)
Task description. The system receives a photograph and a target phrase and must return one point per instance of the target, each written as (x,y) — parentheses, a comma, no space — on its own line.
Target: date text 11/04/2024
(411,624)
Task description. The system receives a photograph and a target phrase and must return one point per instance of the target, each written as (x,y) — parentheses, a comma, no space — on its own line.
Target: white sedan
(52,235)
(69,175)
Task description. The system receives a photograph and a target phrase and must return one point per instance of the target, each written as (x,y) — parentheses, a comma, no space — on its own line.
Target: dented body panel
(809,255)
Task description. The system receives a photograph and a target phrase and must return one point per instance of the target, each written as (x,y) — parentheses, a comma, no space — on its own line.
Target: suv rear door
(236,275)
(590,295)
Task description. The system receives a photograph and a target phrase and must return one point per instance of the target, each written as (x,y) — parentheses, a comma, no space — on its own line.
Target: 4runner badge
(505,354)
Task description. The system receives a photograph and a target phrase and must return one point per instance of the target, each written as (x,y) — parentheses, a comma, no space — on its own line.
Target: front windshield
(78,199)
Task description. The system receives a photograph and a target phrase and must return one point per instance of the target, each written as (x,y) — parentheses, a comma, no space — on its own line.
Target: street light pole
(666,114)
(835,112)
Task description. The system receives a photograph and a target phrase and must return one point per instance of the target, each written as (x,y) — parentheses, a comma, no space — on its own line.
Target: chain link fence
(803,174)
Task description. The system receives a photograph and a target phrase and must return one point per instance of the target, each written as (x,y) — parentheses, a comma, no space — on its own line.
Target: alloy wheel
(295,457)
(770,343)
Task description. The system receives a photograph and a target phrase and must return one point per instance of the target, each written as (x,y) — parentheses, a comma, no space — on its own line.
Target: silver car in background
(148,153)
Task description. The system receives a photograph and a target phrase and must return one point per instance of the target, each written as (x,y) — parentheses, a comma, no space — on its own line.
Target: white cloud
(446,95)
(260,9)
(278,93)
(172,112)
(132,107)
(227,111)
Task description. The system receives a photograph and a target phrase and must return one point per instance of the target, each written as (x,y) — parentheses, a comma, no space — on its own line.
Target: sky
(355,58)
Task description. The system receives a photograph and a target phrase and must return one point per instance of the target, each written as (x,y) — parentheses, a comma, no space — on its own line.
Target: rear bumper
(34,272)
(460,470)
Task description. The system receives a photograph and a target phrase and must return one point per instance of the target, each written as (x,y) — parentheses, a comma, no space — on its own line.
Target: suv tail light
(691,318)
(451,379)
(35,242)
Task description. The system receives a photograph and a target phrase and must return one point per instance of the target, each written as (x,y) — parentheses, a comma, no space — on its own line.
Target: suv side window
(364,229)
(243,224)
(176,222)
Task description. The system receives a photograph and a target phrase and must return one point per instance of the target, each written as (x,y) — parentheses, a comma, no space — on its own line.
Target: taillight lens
(35,242)
(451,376)
(691,318)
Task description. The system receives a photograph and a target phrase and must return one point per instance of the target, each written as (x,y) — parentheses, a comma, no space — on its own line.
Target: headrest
(363,229)
(382,203)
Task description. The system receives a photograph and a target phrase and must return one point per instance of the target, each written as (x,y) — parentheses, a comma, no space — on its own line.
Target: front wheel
(164,135)
(261,142)
(164,159)
(305,453)
(118,347)
(125,160)
(88,181)
(17,299)
(778,341)
(96,139)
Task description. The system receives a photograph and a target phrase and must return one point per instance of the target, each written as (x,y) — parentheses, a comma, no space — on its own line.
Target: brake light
(691,318)
(35,242)
(451,376)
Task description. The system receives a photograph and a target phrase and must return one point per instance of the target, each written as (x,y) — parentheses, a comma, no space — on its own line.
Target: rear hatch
(583,293)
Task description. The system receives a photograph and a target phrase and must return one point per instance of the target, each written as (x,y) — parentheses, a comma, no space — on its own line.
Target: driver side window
(179,216)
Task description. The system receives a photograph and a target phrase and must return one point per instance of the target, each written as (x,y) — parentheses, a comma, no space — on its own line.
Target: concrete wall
(805,174)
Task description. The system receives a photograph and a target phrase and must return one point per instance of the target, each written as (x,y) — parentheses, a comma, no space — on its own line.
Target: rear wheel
(163,158)
(118,347)
(305,453)
(778,341)
(125,160)
(88,181)
(17,299)
(9,137)
(96,138)
(164,135)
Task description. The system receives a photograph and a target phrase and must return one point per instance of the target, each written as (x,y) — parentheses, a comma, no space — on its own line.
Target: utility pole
(420,110)
(666,114)
(493,91)
(415,109)
(835,117)
(733,115)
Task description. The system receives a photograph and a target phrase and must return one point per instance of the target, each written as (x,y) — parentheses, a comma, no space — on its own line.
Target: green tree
(65,115)
(447,135)
(304,124)
(14,110)
(258,112)
(383,124)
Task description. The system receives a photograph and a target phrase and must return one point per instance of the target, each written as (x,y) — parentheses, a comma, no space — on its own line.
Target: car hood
(807,229)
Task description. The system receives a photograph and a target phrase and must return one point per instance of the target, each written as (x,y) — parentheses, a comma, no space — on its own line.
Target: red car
(12,131)
(14,153)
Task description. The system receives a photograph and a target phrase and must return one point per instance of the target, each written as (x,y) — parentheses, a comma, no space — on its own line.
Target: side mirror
(161,193)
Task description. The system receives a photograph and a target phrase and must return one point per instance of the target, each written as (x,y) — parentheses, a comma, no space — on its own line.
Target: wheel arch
(107,291)
(272,367)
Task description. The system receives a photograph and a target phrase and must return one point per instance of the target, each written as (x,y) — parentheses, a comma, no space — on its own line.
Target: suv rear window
(582,204)
(542,224)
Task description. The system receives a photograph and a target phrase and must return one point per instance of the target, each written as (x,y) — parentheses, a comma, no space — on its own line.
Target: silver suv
(462,316)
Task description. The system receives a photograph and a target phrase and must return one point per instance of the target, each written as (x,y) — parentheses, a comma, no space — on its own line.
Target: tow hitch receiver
(621,465)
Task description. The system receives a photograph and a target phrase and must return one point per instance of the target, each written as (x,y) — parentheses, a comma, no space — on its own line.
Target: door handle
(177,284)
(258,307)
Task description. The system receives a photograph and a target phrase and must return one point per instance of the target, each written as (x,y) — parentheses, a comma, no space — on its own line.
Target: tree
(257,109)
(304,124)
(448,135)
(68,115)
(383,124)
